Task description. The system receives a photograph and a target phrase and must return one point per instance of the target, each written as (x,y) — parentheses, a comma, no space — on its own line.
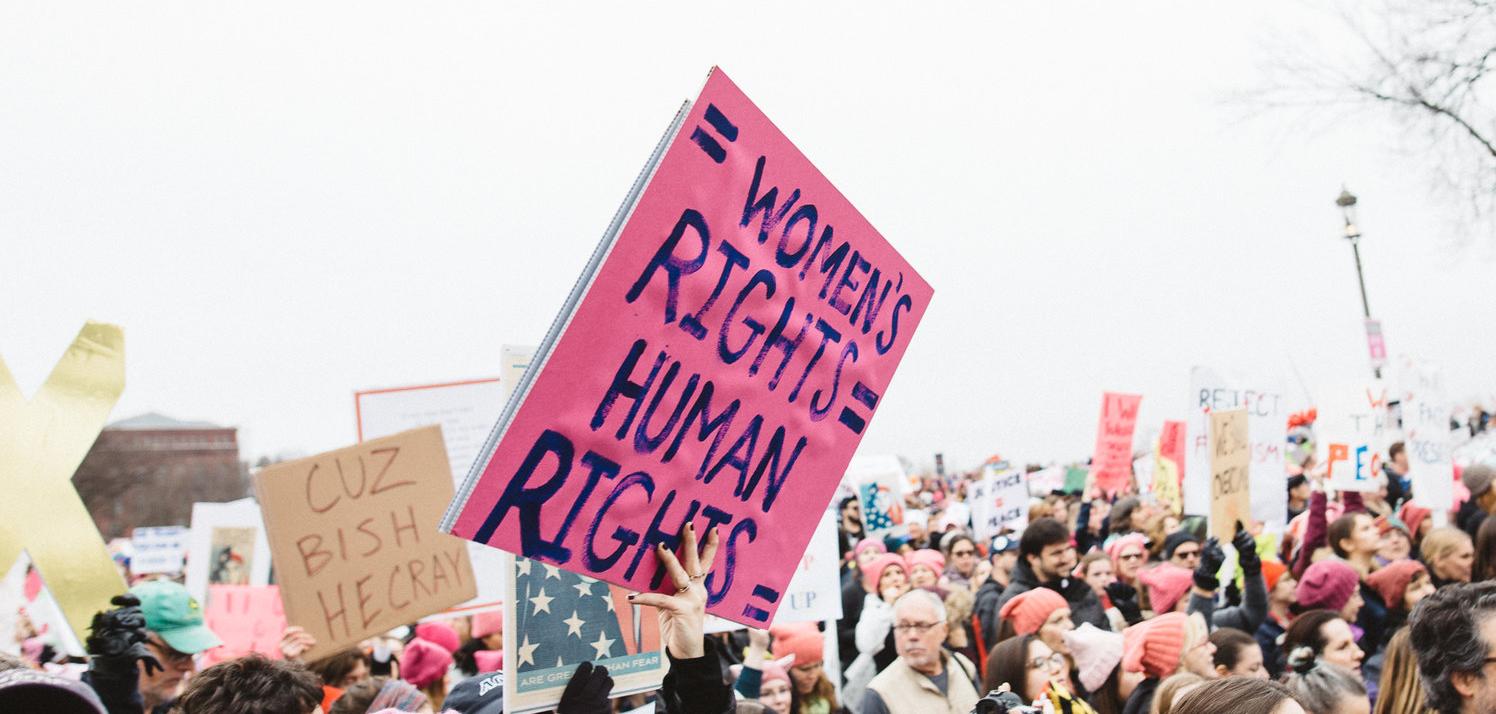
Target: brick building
(148,470)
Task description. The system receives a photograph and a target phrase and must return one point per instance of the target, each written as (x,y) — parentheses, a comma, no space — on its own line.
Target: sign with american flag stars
(555,620)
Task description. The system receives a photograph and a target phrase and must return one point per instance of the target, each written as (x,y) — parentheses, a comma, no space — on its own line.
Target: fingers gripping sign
(683,614)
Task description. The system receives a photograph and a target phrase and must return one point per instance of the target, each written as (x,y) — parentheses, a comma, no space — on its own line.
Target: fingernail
(691,527)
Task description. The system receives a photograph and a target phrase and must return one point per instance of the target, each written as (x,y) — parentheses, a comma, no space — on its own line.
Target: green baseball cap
(171,612)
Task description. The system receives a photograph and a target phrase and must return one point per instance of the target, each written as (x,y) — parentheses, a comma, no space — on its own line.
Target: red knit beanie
(1029,610)
(1391,582)
(802,640)
(1328,584)
(1155,646)
(1166,584)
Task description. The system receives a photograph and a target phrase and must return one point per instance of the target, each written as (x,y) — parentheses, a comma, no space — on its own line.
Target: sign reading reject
(717,364)
(353,534)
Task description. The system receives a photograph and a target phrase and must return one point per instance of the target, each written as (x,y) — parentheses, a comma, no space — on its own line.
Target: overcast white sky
(283,203)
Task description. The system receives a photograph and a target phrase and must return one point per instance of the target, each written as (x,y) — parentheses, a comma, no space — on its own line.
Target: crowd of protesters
(1102,604)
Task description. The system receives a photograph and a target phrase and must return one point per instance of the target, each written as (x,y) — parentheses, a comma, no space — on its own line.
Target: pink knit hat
(931,559)
(1327,584)
(1166,584)
(1096,653)
(1155,646)
(773,671)
(423,662)
(873,544)
(1029,610)
(873,571)
(487,623)
(802,640)
(1114,549)
(439,633)
(1391,582)
(1412,516)
(489,660)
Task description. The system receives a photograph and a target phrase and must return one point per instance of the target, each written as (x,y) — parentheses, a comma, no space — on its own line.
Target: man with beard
(1046,558)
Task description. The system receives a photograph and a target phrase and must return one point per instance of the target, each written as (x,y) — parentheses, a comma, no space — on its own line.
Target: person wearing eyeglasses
(925,678)
(1034,672)
(175,634)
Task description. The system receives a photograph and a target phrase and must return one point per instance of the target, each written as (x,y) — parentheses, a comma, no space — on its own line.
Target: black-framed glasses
(1183,554)
(918,628)
(959,553)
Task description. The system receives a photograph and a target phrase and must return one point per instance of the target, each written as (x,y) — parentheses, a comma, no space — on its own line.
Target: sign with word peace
(717,363)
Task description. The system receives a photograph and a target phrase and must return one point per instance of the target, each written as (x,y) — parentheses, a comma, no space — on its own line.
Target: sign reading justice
(717,363)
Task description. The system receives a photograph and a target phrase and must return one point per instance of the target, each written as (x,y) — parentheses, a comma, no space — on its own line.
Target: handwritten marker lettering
(723,127)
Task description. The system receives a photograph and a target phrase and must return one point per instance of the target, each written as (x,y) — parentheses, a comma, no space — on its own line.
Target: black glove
(1211,559)
(116,640)
(1124,597)
(1246,551)
(587,692)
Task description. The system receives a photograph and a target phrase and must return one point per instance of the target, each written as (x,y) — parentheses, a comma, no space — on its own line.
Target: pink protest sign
(248,618)
(717,363)
(1111,463)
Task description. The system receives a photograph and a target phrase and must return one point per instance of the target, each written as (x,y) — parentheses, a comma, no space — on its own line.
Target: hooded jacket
(1084,605)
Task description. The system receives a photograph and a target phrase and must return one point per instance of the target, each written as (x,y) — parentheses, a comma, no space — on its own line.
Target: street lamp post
(1347,203)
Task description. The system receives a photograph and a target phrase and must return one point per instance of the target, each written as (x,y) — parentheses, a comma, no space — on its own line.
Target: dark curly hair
(1445,630)
(251,685)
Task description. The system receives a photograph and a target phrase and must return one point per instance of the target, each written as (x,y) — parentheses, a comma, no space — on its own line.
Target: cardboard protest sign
(1111,462)
(248,618)
(1267,424)
(814,594)
(877,480)
(999,501)
(227,547)
(158,549)
(555,620)
(1230,470)
(466,411)
(718,362)
(1354,431)
(1426,411)
(1168,469)
(353,533)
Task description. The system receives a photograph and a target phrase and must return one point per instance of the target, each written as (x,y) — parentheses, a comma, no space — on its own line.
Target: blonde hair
(1169,690)
(1399,690)
(958,604)
(1441,542)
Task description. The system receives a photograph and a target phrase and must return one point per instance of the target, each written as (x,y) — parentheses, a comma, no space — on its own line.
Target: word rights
(720,370)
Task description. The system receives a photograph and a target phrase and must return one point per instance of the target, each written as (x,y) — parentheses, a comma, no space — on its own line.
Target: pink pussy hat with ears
(1096,653)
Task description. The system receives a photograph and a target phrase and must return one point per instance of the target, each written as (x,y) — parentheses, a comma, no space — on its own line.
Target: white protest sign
(957,513)
(466,411)
(1354,436)
(999,500)
(159,549)
(1267,425)
(1045,480)
(1425,410)
(814,594)
(227,547)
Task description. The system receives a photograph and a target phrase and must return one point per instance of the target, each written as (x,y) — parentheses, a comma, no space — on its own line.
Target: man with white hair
(925,678)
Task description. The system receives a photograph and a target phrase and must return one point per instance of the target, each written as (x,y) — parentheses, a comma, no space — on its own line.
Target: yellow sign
(42,441)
